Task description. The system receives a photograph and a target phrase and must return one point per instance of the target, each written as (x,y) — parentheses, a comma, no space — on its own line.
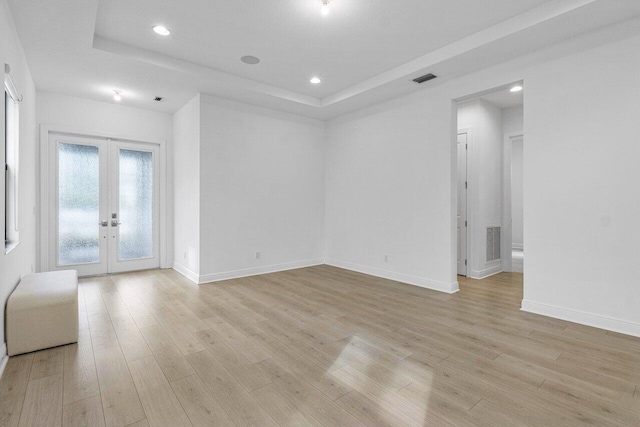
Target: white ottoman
(42,312)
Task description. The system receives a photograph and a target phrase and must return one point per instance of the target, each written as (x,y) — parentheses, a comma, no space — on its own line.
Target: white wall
(390,186)
(389,191)
(581,185)
(262,189)
(21,260)
(484,174)
(512,119)
(186,161)
(106,117)
(115,120)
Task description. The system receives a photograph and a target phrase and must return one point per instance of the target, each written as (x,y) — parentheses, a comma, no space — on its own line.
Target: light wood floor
(320,346)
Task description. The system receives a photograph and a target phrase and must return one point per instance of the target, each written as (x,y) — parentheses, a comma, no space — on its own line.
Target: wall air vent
(493,243)
(425,78)
(157,98)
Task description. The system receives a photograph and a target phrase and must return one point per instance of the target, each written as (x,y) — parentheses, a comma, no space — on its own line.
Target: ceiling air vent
(425,78)
(157,98)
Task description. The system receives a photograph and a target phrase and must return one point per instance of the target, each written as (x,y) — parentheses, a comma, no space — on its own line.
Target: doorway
(485,122)
(105,205)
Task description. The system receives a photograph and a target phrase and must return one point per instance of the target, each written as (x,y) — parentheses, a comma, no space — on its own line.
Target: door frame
(43,209)
(506,239)
(470,183)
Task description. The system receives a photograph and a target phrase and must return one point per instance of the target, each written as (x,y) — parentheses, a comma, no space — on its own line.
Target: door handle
(103,223)
(115,223)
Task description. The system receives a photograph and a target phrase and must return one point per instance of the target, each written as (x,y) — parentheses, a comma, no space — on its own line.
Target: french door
(106,205)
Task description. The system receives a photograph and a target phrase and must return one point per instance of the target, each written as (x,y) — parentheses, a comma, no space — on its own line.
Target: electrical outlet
(32,268)
(386,258)
(185,255)
(258,254)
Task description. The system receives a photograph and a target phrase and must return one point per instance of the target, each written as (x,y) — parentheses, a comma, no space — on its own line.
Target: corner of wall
(186,272)
(449,288)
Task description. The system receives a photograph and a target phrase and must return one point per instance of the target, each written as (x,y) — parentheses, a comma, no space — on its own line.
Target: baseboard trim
(274,268)
(186,272)
(422,282)
(3,358)
(435,285)
(483,274)
(582,317)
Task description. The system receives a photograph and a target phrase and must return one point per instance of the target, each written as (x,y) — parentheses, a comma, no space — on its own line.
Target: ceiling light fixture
(516,88)
(315,80)
(163,31)
(116,95)
(325,7)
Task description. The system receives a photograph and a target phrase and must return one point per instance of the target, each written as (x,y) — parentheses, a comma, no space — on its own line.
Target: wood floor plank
(119,396)
(158,399)
(80,376)
(604,410)
(239,404)
(282,408)
(299,365)
(13,386)
(306,396)
(201,407)
(493,415)
(169,358)
(249,348)
(43,402)
(367,411)
(188,318)
(102,333)
(403,408)
(47,362)
(186,342)
(244,372)
(85,412)
(130,339)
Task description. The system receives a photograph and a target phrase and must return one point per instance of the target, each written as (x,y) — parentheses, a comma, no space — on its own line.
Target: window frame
(11,165)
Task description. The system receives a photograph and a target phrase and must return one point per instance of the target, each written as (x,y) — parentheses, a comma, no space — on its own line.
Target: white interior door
(106,205)
(462,204)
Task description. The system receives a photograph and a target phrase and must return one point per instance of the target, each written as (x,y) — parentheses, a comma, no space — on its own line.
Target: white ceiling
(504,98)
(365,50)
(358,40)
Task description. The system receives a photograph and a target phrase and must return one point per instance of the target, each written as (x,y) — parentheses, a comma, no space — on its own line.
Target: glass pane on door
(135,204)
(78,204)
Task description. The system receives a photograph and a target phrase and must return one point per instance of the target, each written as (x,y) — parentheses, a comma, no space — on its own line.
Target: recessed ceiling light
(163,31)
(325,7)
(315,80)
(251,60)
(516,88)
(116,95)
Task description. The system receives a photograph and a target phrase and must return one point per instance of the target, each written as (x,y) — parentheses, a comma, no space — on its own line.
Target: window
(11,126)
